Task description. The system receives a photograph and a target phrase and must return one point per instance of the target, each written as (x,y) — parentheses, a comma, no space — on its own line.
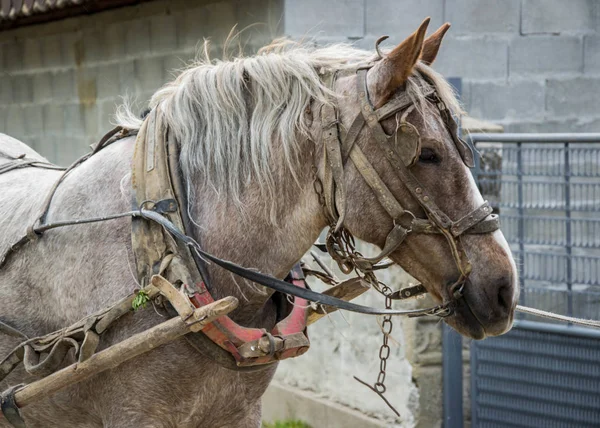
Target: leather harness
(161,246)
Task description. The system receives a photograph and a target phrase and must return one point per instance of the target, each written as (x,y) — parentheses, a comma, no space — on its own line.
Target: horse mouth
(464,321)
(477,322)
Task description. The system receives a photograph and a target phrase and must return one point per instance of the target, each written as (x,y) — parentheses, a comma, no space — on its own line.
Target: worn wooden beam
(346,290)
(127,349)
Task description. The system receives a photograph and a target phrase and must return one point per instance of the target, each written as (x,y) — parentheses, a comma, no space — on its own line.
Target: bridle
(401,156)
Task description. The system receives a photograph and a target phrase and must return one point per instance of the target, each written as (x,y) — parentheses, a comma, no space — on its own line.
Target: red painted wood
(229,335)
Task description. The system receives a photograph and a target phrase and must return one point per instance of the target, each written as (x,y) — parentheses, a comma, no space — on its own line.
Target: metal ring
(144,203)
(399,219)
(271,339)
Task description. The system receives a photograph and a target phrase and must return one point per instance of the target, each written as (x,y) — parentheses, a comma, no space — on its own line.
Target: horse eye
(428,156)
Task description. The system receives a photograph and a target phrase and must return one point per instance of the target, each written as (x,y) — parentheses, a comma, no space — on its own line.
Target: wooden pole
(346,290)
(119,353)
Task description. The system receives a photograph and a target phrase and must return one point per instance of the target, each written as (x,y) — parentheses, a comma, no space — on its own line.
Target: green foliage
(140,300)
(286,424)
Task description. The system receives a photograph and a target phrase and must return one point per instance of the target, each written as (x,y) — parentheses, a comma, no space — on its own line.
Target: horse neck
(247,236)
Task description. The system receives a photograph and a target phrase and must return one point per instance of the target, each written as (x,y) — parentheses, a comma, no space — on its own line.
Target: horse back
(11,148)
(22,190)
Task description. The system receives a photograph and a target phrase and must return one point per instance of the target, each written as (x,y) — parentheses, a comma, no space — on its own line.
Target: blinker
(465,151)
(408,143)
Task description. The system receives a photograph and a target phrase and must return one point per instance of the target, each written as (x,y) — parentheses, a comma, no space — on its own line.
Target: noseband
(401,156)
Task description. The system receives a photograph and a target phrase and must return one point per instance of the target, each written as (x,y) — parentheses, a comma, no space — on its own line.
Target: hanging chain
(341,247)
(384,351)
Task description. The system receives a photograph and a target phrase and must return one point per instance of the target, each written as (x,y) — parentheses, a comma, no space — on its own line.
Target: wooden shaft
(119,353)
(346,290)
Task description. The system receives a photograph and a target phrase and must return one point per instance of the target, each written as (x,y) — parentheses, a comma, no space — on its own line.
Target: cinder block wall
(530,65)
(60,81)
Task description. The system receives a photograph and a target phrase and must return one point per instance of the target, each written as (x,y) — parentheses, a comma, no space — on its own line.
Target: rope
(553,316)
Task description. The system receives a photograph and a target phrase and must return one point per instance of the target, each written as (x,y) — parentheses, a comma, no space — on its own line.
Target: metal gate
(546,188)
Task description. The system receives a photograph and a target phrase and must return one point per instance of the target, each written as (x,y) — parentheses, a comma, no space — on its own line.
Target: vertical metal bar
(521,221)
(452,377)
(473,366)
(569,239)
(477,170)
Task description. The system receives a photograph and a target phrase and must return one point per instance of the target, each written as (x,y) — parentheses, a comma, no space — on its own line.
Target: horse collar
(157,181)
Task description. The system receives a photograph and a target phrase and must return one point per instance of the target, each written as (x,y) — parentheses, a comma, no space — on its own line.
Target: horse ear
(431,45)
(393,71)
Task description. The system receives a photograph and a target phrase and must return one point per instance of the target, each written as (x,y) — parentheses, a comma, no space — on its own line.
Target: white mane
(229,116)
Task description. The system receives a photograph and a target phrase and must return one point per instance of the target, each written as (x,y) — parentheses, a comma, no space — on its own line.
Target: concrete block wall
(60,82)
(530,65)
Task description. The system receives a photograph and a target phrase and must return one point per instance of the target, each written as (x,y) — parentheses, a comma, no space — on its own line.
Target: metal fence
(537,376)
(546,188)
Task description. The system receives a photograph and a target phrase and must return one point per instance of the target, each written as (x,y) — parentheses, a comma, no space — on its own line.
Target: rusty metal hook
(380,393)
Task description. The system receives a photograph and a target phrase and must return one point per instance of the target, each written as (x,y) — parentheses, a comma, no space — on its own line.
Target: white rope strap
(545,314)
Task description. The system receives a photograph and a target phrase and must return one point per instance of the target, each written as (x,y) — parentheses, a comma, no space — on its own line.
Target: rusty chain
(384,350)
(341,248)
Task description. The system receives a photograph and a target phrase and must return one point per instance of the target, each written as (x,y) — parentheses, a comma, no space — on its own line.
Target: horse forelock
(233,118)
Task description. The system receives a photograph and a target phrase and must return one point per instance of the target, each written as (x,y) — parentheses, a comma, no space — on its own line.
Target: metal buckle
(9,407)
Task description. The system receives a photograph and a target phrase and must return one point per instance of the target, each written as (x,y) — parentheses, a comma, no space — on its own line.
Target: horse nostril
(505,296)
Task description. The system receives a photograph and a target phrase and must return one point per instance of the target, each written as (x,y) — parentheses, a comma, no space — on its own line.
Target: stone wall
(60,82)
(530,65)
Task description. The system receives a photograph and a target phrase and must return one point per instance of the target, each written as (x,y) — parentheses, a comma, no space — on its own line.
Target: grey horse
(249,134)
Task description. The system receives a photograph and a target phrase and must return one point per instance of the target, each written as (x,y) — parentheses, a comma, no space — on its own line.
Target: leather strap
(24,162)
(38,365)
(383,194)
(333,154)
(351,136)
(474,217)
(392,242)
(398,104)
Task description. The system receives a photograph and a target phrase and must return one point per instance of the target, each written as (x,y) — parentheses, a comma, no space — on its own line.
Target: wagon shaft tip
(212,311)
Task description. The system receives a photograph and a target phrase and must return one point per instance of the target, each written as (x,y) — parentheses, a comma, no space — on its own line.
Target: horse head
(412,174)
